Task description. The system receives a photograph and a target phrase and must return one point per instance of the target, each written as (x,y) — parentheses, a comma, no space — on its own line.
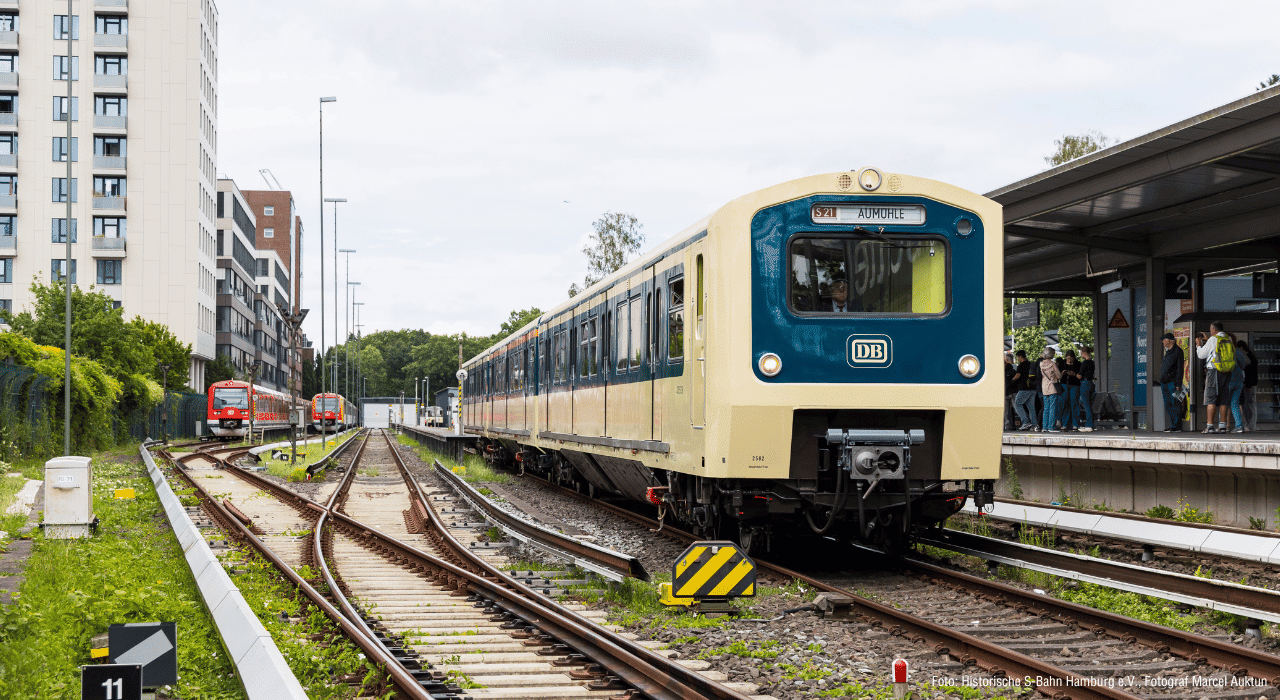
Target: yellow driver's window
(884,276)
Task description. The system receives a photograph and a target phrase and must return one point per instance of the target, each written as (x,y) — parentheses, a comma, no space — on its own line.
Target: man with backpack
(1024,402)
(1219,355)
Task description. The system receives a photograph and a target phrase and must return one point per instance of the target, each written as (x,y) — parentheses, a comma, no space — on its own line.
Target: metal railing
(9,159)
(111,81)
(107,41)
(8,243)
(105,243)
(9,201)
(8,78)
(108,202)
(8,118)
(111,3)
(110,121)
(116,162)
(8,38)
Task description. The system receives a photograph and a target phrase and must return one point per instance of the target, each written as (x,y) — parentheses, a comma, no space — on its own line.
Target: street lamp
(347,306)
(295,322)
(164,406)
(323,376)
(253,390)
(335,201)
(355,306)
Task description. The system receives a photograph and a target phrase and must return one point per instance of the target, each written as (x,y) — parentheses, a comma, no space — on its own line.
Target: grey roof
(1203,193)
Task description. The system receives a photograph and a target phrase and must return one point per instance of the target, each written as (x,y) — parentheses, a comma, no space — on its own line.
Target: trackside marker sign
(875,351)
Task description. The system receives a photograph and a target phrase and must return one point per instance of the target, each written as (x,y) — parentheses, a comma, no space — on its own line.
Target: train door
(698,373)
(642,346)
(656,360)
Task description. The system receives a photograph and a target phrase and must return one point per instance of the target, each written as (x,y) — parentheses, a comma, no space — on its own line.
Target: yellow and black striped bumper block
(716,570)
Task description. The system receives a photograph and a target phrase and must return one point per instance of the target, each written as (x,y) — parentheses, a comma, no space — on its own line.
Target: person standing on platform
(1024,402)
(1236,387)
(1170,381)
(1050,384)
(1087,369)
(1248,398)
(1011,378)
(1219,355)
(1070,371)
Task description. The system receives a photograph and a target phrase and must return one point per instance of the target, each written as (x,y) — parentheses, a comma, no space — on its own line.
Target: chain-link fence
(184,412)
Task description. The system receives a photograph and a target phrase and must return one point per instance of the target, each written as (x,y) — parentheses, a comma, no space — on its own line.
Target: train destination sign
(869,213)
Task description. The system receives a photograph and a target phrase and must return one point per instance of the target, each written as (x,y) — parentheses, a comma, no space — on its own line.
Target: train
(336,413)
(819,358)
(230,403)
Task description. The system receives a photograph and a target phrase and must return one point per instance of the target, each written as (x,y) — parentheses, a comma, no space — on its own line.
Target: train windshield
(328,404)
(230,398)
(891,276)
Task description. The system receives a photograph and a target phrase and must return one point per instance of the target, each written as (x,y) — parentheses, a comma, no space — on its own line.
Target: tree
(164,347)
(1071,147)
(517,320)
(1269,82)
(1076,326)
(615,238)
(220,369)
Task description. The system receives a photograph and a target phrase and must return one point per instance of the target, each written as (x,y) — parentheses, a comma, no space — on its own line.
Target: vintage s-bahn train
(821,357)
(332,412)
(230,403)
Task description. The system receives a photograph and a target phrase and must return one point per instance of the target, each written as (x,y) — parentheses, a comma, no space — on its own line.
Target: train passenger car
(821,357)
(332,412)
(231,402)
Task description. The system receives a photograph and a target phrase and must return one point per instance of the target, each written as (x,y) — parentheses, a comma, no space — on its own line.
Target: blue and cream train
(818,357)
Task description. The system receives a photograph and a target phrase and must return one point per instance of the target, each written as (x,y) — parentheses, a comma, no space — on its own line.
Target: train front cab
(874,420)
(326,412)
(228,407)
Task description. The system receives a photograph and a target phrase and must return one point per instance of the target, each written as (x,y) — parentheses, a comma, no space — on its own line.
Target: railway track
(441,619)
(1068,650)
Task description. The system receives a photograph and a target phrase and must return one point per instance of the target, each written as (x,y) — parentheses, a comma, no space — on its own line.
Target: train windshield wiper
(879,236)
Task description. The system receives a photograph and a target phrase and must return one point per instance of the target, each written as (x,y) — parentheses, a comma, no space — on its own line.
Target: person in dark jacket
(1248,399)
(1010,388)
(1170,381)
(1024,402)
(1087,369)
(1070,370)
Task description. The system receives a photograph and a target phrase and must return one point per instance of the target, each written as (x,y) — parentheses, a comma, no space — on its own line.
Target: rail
(610,564)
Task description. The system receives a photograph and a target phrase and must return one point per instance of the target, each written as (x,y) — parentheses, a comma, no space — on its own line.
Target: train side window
(655,325)
(593,349)
(588,346)
(675,321)
(636,332)
(563,360)
(556,369)
(606,325)
(698,301)
(571,353)
(623,337)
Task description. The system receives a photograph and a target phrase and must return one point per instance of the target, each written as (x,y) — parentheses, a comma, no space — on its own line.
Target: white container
(68,497)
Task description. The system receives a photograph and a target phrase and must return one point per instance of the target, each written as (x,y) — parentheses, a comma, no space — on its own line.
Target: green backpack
(1224,357)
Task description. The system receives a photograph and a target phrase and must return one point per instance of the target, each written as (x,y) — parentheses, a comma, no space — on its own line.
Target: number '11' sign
(111,682)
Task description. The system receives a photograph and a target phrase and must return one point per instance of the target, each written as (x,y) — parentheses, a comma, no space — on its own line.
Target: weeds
(1161,511)
(1011,481)
(1187,514)
(1257,523)
(1128,604)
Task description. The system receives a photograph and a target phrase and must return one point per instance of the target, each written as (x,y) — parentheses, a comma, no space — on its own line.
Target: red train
(332,412)
(230,403)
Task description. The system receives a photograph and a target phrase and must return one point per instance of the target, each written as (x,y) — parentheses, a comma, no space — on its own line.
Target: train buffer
(708,575)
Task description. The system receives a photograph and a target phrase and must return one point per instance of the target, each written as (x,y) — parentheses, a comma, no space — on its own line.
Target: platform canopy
(1202,194)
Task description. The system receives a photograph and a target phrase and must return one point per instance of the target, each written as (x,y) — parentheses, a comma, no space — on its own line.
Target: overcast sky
(477,141)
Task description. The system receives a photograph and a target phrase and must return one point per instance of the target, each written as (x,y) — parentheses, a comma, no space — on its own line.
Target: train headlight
(770,364)
(969,366)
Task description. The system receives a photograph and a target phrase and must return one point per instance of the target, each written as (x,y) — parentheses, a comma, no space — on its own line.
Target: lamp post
(334,363)
(426,396)
(253,404)
(164,406)
(295,322)
(66,277)
(323,374)
(347,342)
(355,306)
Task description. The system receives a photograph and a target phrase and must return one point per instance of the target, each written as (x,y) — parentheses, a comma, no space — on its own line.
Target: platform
(440,440)
(1234,476)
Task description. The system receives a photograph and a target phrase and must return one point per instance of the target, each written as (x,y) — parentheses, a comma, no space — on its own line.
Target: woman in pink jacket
(1049,382)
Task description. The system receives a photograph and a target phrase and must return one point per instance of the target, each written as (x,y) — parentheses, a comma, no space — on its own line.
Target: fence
(30,415)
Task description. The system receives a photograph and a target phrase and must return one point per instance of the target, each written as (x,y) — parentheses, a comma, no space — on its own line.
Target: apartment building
(143,149)
(279,229)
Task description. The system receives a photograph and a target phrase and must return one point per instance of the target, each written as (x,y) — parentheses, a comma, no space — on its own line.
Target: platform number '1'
(111,682)
(119,688)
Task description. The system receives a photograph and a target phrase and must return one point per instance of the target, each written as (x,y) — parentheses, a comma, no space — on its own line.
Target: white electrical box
(68,497)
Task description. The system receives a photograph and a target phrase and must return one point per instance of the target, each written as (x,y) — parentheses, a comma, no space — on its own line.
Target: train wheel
(750,538)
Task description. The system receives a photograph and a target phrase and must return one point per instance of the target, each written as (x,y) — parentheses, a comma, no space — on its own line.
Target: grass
(473,469)
(132,570)
(315,454)
(9,487)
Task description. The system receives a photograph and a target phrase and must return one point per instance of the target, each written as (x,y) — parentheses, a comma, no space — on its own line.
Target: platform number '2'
(1179,285)
(119,688)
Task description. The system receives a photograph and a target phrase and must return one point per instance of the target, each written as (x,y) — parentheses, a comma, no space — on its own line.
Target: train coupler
(874,455)
(984,493)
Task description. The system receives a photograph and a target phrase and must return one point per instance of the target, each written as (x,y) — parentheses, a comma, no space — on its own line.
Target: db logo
(870,351)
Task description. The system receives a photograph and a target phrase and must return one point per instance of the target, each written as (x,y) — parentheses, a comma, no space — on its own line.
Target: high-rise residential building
(279,230)
(143,152)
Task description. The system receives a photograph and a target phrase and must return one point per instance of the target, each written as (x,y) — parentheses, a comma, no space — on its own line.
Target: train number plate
(869,213)
(875,351)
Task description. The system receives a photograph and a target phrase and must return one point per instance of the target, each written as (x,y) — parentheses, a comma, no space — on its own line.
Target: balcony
(104,41)
(8,40)
(106,3)
(111,81)
(111,203)
(9,79)
(110,121)
(8,245)
(8,160)
(8,201)
(104,247)
(105,162)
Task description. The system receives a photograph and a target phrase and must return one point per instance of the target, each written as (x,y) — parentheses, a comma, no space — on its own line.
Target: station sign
(151,645)
(872,213)
(1266,285)
(111,682)
(1026,315)
(1179,285)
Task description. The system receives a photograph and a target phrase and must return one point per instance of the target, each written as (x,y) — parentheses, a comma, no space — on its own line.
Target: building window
(109,226)
(6,305)
(6,225)
(58,268)
(60,230)
(110,64)
(111,146)
(268,211)
(108,186)
(8,104)
(8,22)
(8,144)
(60,67)
(60,27)
(111,24)
(8,63)
(109,271)
(268,232)
(60,108)
(8,184)
(60,189)
(109,106)
(6,270)
(60,149)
